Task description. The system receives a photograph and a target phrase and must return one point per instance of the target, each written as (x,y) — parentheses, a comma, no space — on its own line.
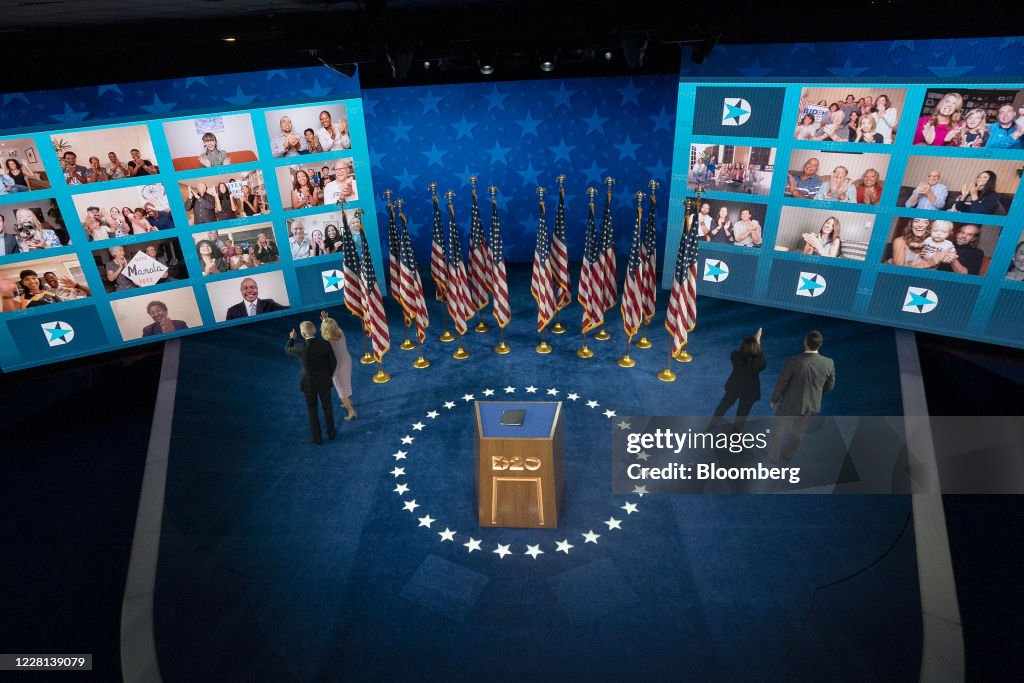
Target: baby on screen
(936,245)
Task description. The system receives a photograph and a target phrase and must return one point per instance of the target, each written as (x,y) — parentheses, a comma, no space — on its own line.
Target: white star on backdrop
(449,404)
(510,390)
(399,455)
(623,425)
(531,390)
(401,489)
(609,414)
(410,505)
(472,544)
(640,490)
(446,535)
(502,550)
(643,456)
(467,397)
(418,427)
(564,546)
(533,551)
(398,472)
(613,523)
(406,440)
(573,397)
(433,414)
(591,536)
(488,392)
(592,404)
(630,508)
(552,392)
(427,521)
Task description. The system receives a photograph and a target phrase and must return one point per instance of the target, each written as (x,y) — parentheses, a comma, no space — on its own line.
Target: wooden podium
(520,473)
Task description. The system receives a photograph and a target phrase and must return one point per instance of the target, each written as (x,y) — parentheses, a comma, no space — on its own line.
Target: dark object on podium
(512,418)
(520,471)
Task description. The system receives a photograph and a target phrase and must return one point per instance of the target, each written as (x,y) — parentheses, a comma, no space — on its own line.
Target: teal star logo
(735,111)
(715,270)
(810,284)
(334,281)
(920,300)
(58,332)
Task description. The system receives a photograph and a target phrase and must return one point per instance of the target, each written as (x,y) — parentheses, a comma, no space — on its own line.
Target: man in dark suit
(251,303)
(318,363)
(797,397)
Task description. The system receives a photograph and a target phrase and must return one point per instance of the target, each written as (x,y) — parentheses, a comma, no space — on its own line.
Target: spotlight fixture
(633,49)
(229,39)
(399,59)
(703,49)
(427,65)
(608,56)
(486,57)
(547,65)
(487,69)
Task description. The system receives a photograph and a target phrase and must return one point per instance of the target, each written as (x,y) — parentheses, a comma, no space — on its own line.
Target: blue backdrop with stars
(519,136)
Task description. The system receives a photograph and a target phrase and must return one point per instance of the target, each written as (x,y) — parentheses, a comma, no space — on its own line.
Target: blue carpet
(305,560)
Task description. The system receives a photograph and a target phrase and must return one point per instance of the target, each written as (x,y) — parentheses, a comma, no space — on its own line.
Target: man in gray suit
(797,395)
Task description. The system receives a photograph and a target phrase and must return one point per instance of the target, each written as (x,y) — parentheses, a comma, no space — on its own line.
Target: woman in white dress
(886,118)
(342,377)
(333,136)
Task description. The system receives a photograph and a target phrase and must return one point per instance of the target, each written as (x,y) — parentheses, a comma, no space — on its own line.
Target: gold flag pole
(626,361)
(585,352)
(502,348)
(644,342)
(460,353)
(558,328)
(603,334)
(667,375)
(381,377)
(481,326)
(367,358)
(682,355)
(420,362)
(446,336)
(406,344)
(543,348)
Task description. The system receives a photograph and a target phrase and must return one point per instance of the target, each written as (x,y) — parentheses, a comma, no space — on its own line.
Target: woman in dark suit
(744,384)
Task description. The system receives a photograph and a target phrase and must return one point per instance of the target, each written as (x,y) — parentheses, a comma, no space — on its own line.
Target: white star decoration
(503,550)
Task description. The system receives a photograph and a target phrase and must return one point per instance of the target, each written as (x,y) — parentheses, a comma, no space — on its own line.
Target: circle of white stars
(576,541)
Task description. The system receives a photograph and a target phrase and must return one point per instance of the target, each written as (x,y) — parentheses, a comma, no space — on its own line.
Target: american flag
(649,259)
(560,255)
(540,283)
(632,311)
(351,270)
(459,305)
(502,309)
(609,293)
(591,277)
(682,302)
(376,321)
(438,268)
(394,254)
(479,259)
(412,298)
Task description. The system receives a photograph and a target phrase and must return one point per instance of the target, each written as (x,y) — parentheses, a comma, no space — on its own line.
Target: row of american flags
(467,291)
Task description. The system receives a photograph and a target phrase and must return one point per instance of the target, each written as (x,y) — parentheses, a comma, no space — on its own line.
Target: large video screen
(134,231)
(886,202)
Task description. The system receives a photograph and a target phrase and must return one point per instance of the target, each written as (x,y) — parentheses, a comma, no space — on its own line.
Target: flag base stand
(558,328)
(482,327)
(447,337)
(644,343)
(407,345)
(543,348)
(381,377)
(421,363)
(602,336)
(626,362)
(460,353)
(682,356)
(584,352)
(367,359)
(502,348)
(666,375)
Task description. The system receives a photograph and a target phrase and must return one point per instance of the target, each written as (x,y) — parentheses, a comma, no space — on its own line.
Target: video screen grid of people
(932,199)
(169,203)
